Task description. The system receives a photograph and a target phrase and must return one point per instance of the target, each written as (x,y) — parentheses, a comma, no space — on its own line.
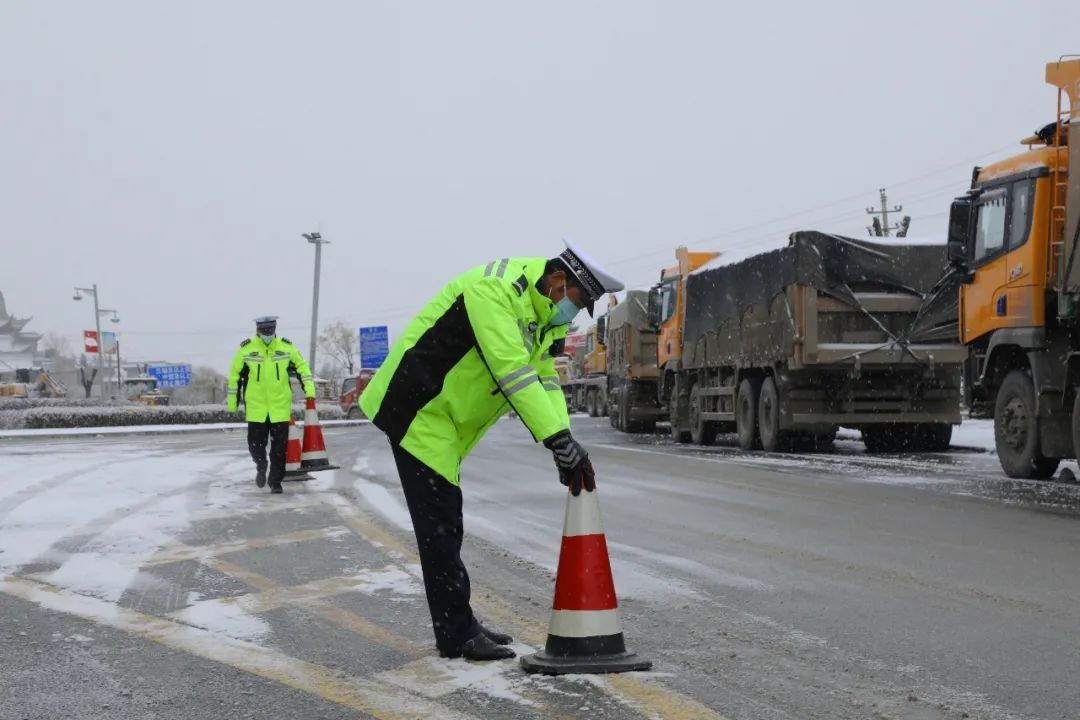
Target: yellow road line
(638,691)
(310,596)
(178,552)
(378,699)
(651,699)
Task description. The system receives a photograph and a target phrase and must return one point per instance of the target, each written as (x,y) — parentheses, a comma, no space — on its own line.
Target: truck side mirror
(654,307)
(960,216)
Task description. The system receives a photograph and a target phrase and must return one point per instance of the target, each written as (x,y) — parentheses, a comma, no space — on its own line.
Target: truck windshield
(990,235)
(667,300)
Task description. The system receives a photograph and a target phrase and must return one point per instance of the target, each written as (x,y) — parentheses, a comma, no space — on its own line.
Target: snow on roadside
(151,429)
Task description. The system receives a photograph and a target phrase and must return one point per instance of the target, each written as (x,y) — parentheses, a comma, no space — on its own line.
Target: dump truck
(1014,239)
(585,380)
(786,346)
(632,372)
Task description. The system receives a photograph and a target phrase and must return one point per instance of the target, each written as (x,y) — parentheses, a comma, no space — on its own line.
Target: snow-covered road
(762,586)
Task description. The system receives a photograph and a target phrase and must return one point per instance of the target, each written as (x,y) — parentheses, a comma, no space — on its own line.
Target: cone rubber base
(317,468)
(541,662)
(303,477)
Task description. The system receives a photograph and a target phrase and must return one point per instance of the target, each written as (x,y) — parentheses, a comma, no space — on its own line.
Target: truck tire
(702,432)
(932,437)
(354,413)
(590,403)
(601,403)
(627,424)
(1076,425)
(746,412)
(1016,430)
(773,439)
(680,435)
(889,438)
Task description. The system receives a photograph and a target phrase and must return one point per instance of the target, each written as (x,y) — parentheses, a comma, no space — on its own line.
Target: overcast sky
(174,152)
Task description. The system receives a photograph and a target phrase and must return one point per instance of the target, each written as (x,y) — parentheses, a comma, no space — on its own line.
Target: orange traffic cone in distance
(585,634)
(293,452)
(313,457)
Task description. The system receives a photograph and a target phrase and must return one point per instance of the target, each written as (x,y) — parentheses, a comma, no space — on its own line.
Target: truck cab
(667,307)
(1012,238)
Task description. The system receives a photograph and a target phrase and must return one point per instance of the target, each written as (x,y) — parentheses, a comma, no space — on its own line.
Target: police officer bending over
(260,377)
(485,345)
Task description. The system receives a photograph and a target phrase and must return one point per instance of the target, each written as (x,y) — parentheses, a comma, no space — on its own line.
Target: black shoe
(276,489)
(260,478)
(480,647)
(496,637)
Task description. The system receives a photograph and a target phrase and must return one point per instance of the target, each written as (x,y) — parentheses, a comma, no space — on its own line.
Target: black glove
(575,469)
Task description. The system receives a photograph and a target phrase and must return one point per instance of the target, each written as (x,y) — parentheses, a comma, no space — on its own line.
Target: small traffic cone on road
(314,458)
(585,633)
(293,452)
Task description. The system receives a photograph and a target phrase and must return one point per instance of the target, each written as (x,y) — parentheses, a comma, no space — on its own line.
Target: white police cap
(595,280)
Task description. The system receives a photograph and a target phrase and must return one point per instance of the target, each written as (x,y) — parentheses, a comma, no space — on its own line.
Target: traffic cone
(293,453)
(585,633)
(313,457)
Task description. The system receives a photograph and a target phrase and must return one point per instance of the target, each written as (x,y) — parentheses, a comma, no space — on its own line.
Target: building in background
(18,349)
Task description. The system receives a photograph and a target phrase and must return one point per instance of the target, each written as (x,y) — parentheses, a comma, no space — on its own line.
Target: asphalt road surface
(146,577)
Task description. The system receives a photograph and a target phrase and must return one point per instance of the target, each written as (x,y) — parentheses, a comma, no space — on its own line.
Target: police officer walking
(484,346)
(259,375)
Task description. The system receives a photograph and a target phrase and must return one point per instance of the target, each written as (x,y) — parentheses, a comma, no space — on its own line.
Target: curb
(127,430)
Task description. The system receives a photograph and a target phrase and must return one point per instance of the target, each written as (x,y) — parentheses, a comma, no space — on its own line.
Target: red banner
(90,341)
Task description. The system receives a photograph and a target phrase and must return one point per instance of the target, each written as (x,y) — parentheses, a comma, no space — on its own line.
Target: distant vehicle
(350,392)
(44,386)
(144,390)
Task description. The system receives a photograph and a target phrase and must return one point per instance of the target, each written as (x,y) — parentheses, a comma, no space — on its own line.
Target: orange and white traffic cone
(585,633)
(314,458)
(293,453)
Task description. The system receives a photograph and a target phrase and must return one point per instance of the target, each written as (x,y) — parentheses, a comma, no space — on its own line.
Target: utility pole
(98,312)
(879,226)
(315,239)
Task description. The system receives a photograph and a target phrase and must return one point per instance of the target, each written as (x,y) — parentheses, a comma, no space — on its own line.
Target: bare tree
(56,346)
(207,386)
(87,382)
(340,343)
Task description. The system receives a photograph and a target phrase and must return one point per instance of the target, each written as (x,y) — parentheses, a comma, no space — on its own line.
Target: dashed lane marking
(178,552)
(637,691)
(381,700)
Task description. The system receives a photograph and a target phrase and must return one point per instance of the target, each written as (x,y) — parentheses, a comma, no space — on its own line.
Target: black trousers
(435,506)
(278,436)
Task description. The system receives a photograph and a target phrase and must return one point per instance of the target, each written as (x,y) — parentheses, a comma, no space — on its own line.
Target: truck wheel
(680,435)
(1016,430)
(933,437)
(590,403)
(889,438)
(625,423)
(746,413)
(354,413)
(702,432)
(1076,425)
(773,439)
(601,404)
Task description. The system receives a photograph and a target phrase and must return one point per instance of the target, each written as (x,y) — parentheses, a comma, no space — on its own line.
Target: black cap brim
(589,306)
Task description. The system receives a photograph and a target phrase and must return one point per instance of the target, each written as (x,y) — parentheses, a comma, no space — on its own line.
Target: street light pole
(100,360)
(98,310)
(315,239)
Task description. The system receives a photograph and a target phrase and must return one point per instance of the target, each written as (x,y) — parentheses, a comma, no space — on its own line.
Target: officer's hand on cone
(575,468)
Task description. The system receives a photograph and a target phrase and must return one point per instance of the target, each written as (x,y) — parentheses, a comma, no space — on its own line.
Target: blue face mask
(565,312)
(267,338)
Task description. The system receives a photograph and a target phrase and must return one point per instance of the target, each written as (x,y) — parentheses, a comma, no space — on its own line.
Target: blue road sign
(170,375)
(374,346)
